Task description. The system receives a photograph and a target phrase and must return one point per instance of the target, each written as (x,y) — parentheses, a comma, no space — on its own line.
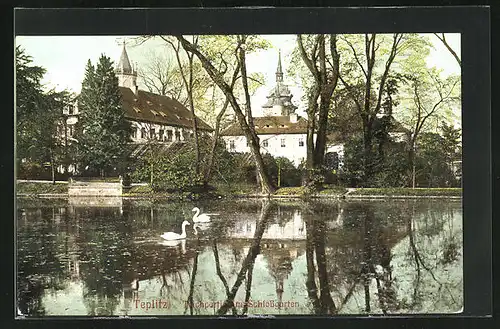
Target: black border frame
(472,22)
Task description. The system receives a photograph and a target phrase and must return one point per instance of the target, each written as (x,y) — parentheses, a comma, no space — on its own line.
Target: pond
(83,258)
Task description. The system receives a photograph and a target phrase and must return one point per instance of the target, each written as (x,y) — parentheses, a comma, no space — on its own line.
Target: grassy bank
(41,188)
(408,191)
(239,190)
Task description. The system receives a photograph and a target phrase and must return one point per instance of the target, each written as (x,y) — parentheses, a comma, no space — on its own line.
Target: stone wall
(77,189)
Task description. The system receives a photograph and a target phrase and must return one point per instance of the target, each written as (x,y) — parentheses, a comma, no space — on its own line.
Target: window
(134,133)
(143,133)
(169,135)
(265,143)
(177,135)
(152,133)
(301,141)
(283,142)
(70,131)
(248,143)
(161,133)
(231,145)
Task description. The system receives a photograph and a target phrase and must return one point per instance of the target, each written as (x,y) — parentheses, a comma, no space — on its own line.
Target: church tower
(127,75)
(279,101)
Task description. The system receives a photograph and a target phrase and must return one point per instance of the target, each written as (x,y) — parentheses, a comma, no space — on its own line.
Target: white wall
(184,133)
(292,150)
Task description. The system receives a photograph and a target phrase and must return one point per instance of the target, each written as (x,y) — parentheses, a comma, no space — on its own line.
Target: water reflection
(254,258)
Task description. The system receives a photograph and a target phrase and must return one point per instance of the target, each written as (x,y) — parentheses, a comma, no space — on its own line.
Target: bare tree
(371,102)
(430,94)
(161,76)
(188,80)
(442,38)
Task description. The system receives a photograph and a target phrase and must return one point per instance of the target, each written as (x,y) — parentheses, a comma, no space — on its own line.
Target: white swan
(197,218)
(171,236)
(175,243)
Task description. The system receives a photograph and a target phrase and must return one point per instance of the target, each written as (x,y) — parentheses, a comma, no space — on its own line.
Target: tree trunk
(249,260)
(367,156)
(328,305)
(52,168)
(413,177)
(248,130)
(218,119)
(279,173)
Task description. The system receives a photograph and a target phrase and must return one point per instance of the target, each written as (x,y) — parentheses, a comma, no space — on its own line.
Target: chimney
(293,117)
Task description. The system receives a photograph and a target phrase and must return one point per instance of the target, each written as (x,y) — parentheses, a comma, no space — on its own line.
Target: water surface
(256,257)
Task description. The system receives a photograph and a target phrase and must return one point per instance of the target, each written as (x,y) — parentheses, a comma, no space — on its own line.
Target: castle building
(153,116)
(282,132)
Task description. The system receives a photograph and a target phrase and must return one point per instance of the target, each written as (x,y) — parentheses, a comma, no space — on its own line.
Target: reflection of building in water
(291,228)
(98,202)
(280,257)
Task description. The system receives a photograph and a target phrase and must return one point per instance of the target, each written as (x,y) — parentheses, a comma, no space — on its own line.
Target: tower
(279,101)
(127,75)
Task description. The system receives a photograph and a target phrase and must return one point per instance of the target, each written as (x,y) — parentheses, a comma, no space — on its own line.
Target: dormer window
(267,126)
(163,114)
(136,110)
(154,112)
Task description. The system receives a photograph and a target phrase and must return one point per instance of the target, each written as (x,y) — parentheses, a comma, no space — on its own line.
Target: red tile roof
(158,109)
(270,125)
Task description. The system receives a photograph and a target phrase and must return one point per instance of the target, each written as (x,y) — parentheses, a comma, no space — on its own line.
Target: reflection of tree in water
(353,258)
(104,260)
(40,259)
(435,255)
(247,266)
(315,253)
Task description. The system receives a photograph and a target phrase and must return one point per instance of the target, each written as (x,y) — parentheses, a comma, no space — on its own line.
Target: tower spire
(279,71)
(124,63)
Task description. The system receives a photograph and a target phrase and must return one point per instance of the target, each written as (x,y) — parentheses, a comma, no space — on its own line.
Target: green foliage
(102,132)
(39,114)
(173,168)
(433,163)
(389,162)
(165,171)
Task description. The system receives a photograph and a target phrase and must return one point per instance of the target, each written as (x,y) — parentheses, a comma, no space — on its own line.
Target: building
(153,117)
(281,131)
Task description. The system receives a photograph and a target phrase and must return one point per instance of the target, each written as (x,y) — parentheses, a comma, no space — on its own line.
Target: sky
(65,57)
